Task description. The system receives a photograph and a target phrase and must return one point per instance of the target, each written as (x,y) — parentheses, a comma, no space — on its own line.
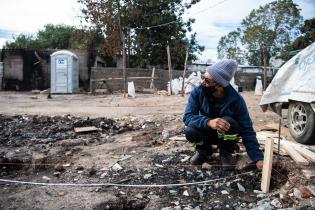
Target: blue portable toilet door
(61,77)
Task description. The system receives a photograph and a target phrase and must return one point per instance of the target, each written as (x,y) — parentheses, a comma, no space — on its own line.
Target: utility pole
(169,67)
(265,66)
(184,73)
(123,49)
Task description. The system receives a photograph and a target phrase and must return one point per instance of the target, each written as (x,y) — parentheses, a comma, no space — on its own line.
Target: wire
(212,6)
(175,21)
(119,185)
(156,26)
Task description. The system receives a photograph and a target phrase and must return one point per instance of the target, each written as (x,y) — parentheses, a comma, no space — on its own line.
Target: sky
(214,18)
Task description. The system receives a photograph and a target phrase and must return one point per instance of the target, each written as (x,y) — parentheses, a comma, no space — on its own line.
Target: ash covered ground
(132,150)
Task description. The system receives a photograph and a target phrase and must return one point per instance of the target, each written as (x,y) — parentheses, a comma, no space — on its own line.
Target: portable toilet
(64,72)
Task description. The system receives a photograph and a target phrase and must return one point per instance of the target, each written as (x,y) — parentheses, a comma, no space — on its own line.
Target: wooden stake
(152,80)
(169,68)
(184,73)
(267,168)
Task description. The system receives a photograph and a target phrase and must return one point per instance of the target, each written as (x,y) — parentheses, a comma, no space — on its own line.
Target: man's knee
(192,134)
(234,126)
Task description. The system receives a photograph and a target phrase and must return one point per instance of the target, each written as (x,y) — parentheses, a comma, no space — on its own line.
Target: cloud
(214,18)
(216,22)
(32,15)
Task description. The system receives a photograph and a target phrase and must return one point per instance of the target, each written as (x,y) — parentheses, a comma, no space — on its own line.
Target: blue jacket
(198,112)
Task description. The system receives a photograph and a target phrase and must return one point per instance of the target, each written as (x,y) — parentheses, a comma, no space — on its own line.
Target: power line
(175,21)
(210,7)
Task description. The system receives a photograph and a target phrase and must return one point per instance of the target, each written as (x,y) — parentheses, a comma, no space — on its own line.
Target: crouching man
(217,115)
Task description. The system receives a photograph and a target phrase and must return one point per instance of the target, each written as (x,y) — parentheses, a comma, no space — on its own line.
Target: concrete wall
(13,67)
(160,82)
(23,71)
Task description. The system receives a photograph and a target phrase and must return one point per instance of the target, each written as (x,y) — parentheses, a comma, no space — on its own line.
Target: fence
(112,78)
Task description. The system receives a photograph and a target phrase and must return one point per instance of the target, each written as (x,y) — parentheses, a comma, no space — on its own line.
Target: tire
(301,121)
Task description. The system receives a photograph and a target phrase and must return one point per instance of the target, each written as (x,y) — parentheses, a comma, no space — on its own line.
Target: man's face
(208,81)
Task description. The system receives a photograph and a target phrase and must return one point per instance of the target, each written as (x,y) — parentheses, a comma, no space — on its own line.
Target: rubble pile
(19,130)
(30,139)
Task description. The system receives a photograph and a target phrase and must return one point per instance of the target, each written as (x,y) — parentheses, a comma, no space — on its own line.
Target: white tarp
(131,89)
(295,80)
(192,82)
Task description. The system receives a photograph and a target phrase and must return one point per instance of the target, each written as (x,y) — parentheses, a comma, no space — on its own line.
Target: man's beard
(208,91)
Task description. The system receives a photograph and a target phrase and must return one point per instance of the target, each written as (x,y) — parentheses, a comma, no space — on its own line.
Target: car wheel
(301,120)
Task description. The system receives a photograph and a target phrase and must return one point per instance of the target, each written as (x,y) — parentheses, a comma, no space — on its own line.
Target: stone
(59,167)
(103,175)
(61,193)
(263,201)
(38,161)
(306,193)
(167,208)
(22,155)
(265,206)
(248,197)
(240,187)
(104,169)
(147,176)
(312,189)
(276,203)
(309,174)
(92,170)
(185,159)
(173,191)
(116,167)
(57,174)
(285,198)
(68,153)
(46,178)
(80,168)
(159,166)
(224,192)
(185,193)
(297,193)
(165,134)
(257,191)
(139,196)
(153,197)
(206,166)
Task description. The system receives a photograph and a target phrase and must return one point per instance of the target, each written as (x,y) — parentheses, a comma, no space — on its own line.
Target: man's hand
(219,124)
(260,164)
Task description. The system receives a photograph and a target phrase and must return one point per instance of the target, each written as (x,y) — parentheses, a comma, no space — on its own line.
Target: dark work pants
(204,139)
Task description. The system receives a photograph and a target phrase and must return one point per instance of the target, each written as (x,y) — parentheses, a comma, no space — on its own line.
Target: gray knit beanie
(223,71)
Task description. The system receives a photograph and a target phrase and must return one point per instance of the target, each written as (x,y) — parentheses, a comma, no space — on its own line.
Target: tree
(267,30)
(52,36)
(146,26)
(21,41)
(307,37)
(229,47)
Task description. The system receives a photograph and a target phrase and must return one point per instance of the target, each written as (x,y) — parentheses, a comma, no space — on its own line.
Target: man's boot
(201,155)
(227,160)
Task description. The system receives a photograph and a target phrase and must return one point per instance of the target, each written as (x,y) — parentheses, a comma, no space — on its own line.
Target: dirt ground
(138,143)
